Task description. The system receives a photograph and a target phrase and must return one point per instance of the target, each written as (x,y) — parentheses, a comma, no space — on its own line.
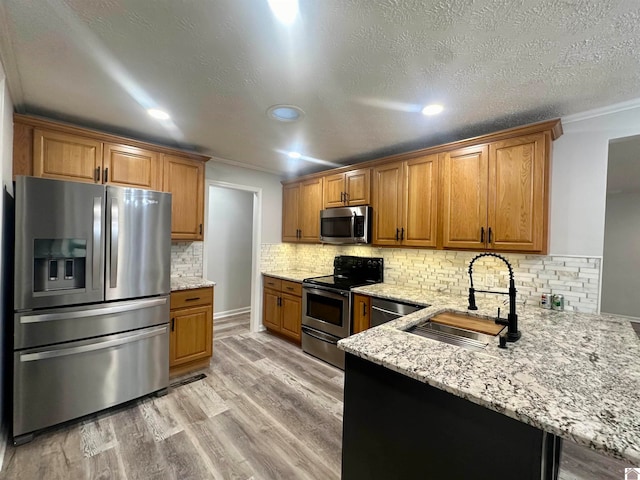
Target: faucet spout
(513,334)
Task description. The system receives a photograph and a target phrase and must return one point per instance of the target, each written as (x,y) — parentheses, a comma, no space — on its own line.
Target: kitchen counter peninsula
(571,376)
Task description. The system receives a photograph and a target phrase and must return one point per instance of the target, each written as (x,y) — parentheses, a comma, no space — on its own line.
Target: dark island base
(398,428)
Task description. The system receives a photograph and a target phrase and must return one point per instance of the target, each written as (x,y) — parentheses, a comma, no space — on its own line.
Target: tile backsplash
(577,278)
(186,259)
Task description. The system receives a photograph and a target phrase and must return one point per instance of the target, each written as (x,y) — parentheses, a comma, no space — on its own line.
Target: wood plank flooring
(265,411)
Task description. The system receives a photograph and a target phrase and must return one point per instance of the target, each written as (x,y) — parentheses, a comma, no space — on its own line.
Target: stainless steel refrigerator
(92,268)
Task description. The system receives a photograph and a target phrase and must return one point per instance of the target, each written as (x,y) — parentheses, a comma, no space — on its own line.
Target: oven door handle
(323,290)
(320,336)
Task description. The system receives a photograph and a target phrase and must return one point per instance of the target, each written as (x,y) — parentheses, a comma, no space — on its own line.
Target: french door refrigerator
(91,299)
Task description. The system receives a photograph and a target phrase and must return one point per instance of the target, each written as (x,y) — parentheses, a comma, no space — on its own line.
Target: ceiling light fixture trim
(285,113)
(158,114)
(285,11)
(432,109)
(294,154)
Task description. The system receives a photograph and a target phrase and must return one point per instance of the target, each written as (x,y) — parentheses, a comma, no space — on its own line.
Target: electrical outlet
(490,280)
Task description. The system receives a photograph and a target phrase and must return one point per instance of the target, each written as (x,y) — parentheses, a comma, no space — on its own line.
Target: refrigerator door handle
(29,357)
(126,307)
(97,242)
(113,282)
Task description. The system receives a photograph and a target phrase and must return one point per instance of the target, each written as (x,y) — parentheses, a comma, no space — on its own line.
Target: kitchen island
(571,376)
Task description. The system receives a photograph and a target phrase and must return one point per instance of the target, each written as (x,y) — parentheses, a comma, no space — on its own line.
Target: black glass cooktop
(350,272)
(342,283)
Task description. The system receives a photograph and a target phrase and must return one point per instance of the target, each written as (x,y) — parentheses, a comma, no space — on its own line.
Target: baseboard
(231,313)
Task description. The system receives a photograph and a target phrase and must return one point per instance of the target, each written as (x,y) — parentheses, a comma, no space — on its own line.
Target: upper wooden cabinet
(184,179)
(483,193)
(405,201)
(44,148)
(65,156)
(350,188)
(495,196)
(301,205)
(131,167)
(464,197)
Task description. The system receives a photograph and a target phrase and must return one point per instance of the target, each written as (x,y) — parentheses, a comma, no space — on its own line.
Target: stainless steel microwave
(346,225)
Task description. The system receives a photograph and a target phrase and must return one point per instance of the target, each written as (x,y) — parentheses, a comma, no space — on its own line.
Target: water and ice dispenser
(59,264)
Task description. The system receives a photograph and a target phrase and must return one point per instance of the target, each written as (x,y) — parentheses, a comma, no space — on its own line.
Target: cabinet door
(387,203)
(358,187)
(191,335)
(131,167)
(271,309)
(184,179)
(464,198)
(290,212)
(66,157)
(291,311)
(310,206)
(517,184)
(334,189)
(361,313)
(420,201)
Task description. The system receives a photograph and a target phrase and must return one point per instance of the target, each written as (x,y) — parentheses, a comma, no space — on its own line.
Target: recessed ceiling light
(433,109)
(285,10)
(159,114)
(285,113)
(294,154)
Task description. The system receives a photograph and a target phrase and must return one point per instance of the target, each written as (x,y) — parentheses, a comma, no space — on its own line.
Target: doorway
(621,257)
(232,248)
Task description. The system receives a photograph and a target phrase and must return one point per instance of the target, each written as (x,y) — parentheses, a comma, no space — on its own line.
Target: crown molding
(598,112)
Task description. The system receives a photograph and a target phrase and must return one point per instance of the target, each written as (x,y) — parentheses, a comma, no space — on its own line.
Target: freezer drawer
(67,324)
(62,382)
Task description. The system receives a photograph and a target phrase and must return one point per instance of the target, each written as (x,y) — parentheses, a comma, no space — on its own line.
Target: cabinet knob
(106,175)
(481,234)
(489,238)
(173,324)
(97,175)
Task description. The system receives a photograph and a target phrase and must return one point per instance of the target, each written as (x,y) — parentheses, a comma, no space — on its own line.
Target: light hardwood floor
(265,411)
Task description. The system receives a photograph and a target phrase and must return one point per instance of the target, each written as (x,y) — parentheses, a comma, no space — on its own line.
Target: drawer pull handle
(191,299)
(290,288)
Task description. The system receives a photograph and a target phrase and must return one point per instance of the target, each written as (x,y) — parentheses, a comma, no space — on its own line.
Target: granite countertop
(187,283)
(574,375)
(293,275)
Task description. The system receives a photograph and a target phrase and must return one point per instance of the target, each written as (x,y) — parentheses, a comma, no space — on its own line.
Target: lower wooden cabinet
(282,307)
(191,336)
(361,313)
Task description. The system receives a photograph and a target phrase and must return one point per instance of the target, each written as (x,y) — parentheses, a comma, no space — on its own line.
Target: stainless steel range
(326,305)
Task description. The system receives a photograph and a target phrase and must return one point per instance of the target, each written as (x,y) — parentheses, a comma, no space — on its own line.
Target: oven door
(326,310)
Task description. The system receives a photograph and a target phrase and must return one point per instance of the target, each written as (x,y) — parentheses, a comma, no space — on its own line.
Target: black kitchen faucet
(512,319)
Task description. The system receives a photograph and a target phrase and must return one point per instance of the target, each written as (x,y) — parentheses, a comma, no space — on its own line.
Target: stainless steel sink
(452,335)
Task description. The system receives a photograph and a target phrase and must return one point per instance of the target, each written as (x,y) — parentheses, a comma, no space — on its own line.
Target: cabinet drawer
(271,282)
(191,298)
(292,288)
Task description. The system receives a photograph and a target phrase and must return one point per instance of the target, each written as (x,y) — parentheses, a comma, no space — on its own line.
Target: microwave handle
(353,225)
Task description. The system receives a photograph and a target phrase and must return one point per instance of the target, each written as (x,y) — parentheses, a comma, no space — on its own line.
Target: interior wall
(621,263)
(579,180)
(271,194)
(6,174)
(229,246)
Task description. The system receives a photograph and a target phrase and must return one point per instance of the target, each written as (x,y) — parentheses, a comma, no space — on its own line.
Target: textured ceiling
(360,69)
